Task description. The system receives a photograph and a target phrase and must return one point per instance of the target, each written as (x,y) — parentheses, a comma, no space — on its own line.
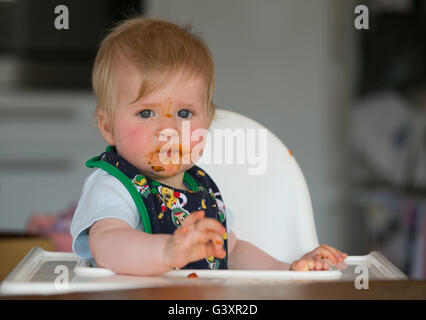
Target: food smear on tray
(192,275)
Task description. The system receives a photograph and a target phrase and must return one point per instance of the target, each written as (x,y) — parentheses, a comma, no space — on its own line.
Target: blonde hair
(159,49)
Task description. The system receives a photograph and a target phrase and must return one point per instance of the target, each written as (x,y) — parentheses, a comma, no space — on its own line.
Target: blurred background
(350,104)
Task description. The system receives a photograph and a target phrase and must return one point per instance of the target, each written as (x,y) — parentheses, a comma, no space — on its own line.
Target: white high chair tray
(44,272)
(379,268)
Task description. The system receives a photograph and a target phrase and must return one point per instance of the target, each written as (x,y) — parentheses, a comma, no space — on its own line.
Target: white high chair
(272,210)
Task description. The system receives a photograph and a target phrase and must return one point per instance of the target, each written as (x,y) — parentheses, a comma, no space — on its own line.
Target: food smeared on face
(157,168)
(157,165)
(165,111)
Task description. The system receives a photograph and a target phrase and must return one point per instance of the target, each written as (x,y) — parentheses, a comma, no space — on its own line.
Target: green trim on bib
(190,181)
(95,162)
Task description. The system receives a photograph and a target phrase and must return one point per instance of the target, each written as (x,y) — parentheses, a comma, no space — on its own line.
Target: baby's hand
(313,260)
(197,238)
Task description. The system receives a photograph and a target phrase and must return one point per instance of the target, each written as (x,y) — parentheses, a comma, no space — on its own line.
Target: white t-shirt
(104,196)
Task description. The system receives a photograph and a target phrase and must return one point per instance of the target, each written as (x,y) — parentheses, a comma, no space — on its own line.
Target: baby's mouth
(169,153)
(166,160)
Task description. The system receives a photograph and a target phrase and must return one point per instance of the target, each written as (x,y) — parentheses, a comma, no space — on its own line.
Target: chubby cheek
(132,142)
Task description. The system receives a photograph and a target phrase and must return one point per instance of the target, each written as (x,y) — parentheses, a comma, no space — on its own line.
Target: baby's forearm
(246,256)
(128,251)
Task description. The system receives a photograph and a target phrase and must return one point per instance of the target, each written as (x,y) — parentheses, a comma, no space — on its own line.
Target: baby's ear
(106,128)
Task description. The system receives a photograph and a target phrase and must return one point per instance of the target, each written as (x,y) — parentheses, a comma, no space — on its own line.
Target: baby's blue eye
(186,114)
(145,113)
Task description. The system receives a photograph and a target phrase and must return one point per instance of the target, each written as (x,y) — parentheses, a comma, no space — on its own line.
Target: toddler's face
(138,126)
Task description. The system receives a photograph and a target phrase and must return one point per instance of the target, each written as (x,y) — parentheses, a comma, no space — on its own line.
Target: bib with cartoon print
(163,208)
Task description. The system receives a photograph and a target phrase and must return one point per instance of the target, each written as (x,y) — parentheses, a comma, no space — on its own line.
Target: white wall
(29,142)
(287,65)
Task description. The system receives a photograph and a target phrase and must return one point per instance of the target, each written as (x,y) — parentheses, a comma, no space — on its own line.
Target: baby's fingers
(206,250)
(210,237)
(193,217)
(340,256)
(308,265)
(217,241)
(319,265)
(303,265)
(321,253)
(208,225)
(213,242)
(325,251)
(186,236)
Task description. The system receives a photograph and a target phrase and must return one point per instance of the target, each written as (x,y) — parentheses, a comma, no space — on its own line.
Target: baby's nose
(166,121)
(167,133)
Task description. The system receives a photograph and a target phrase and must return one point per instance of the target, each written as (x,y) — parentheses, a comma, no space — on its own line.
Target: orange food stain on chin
(167,169)
(157,168)
(154,160)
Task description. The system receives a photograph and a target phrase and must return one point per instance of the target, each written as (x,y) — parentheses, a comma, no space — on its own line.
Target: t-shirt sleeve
(103,196)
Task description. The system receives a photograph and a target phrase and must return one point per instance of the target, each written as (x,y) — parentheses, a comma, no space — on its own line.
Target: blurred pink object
(62,241)
(41,223)
(54,226)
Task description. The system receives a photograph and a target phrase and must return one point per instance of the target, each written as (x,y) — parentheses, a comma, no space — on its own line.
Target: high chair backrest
(272,209)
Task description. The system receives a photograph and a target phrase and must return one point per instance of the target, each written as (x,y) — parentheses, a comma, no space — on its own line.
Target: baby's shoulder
(99,177)
(102,191)
(102,182)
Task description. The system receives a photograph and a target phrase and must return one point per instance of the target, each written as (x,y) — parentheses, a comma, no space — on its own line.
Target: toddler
(145,210)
